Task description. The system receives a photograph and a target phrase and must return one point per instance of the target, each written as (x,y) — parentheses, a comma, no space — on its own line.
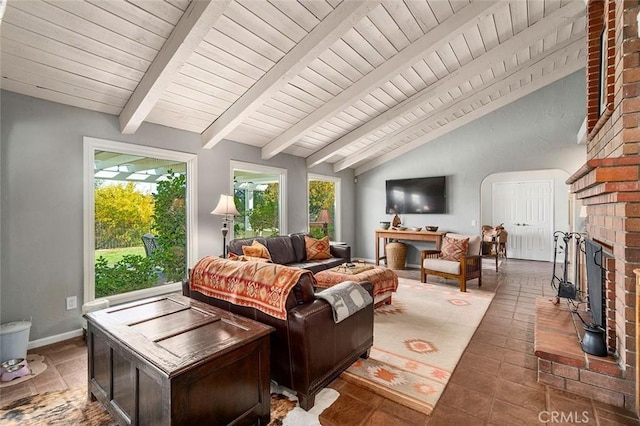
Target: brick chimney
(608,183)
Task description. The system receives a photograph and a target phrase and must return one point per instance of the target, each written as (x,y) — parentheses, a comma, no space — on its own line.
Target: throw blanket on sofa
(259,285)
(345,299)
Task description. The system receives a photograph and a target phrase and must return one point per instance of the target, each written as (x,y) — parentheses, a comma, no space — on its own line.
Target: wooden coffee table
(174,360)
(385,281)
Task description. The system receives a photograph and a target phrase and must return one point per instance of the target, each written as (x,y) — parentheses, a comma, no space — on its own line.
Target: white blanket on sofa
(345,299)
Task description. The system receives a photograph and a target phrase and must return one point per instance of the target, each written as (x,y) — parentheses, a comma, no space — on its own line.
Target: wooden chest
(174,360)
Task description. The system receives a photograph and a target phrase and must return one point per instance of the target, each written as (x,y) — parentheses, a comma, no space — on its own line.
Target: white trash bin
(14,338)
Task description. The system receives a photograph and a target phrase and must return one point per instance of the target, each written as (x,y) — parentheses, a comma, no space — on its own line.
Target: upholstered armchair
(458,258)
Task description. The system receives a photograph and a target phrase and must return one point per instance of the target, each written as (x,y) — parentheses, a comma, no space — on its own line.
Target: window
(257,192)
(324,196)
(139,220)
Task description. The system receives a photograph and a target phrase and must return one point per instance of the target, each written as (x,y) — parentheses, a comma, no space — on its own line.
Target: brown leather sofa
(290,250)
(308,349)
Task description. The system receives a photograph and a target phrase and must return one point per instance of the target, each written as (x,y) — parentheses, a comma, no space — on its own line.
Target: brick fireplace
(609,182)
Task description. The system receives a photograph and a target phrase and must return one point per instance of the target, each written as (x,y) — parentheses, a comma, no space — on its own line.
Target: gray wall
(41,208)
(537,132)
(41,185)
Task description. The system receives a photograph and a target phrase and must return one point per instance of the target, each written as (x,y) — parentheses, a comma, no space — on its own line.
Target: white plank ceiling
(347,82)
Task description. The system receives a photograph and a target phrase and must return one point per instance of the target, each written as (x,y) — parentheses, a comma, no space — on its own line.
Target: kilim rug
(418,340)
(72,407)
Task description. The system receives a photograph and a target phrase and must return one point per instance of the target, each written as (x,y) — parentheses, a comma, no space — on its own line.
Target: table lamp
(226,207)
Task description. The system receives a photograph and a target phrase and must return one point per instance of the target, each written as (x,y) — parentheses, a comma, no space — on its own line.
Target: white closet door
(526,209)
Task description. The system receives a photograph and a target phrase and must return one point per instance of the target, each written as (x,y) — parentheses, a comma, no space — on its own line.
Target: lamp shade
(324,216)
(226,206)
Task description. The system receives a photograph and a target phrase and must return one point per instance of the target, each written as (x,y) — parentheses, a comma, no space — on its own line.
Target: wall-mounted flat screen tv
(417,196)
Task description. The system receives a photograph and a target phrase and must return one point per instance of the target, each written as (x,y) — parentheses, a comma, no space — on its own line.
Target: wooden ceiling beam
(188,33)
(498,54)
(323,35)
(523,91)
(421,48)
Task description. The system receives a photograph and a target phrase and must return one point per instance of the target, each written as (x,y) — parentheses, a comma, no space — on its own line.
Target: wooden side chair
(459,259)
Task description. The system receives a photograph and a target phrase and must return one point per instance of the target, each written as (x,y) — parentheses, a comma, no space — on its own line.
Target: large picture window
(257,192)
(324,196)
(140,209)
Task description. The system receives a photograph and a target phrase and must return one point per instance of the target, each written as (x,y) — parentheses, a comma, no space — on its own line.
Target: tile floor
(493,384)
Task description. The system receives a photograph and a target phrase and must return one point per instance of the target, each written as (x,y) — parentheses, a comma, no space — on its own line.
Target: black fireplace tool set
(593,341)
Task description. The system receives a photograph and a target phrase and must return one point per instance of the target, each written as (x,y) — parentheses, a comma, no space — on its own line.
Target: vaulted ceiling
(351,83)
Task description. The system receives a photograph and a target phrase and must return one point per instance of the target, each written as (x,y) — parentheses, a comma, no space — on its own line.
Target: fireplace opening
(595,282)
(594,339)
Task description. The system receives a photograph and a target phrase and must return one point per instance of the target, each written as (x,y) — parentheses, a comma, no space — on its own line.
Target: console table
(387,234)
(176,361)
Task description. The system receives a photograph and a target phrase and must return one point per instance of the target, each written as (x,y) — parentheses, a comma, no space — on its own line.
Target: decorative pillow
(256,250)
(317,249)
(453,249)
(243,258)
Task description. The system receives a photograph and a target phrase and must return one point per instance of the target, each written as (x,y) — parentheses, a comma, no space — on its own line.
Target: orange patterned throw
(453,249)
(317,249)
(384,280)
(260,285)
(256,250)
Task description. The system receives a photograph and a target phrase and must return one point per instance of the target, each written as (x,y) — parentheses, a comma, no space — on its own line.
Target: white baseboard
(54,339)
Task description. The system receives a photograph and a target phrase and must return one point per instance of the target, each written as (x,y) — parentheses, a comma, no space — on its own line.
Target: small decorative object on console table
(226,207)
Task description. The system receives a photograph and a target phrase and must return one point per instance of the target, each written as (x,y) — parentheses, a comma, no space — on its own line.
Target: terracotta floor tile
(64,353)
(490,338)
(450,416)
(486,350)
(614,417)
(402,413)
(499,330)
(522,334)
(382,418)
(521,375)
(479,362)
(476,380)
(519,345)
(347,411)
(577,410)
(505,304)
(522,396)
(477,404)
(522,359)
(361,394)
(71,366)
(500,313)
(504,413)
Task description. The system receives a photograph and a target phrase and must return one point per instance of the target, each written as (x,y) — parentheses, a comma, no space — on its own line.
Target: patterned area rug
(71,406)
(286,412)
(65,407)
(418,340)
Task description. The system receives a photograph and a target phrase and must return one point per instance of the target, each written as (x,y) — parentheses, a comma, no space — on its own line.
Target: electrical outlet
(72,303)
(474,223)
